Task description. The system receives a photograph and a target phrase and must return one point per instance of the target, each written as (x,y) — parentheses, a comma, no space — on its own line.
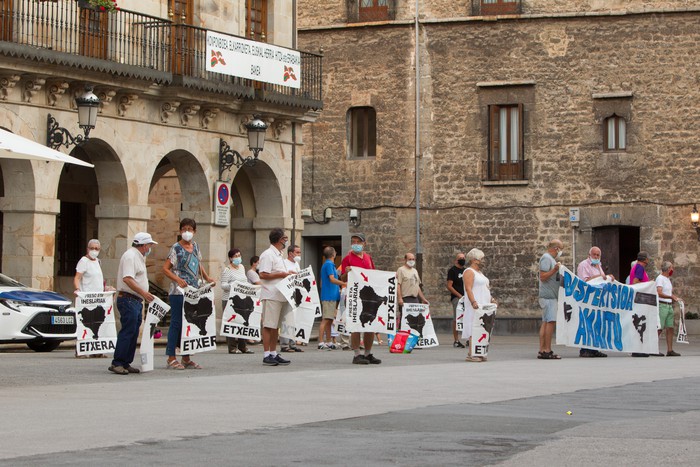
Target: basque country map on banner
(96,328)
(607,315)
(198,321)
(371,301)
(483,319)
(241,317)
(416,318)
(157,309)
(301,292)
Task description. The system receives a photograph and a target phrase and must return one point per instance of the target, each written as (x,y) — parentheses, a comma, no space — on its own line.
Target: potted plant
(692,323)
(99,5)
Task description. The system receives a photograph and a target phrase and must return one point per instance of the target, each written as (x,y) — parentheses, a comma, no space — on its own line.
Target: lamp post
(256,142)
(695,219)
(57,136)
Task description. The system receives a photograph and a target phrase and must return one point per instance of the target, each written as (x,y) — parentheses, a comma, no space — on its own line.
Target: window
(373,10)
(615,133)
(362,132)
(500,7)
(256,20)
(506,160)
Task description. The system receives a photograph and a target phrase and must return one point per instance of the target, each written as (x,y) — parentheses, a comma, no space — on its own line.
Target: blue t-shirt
(330,292)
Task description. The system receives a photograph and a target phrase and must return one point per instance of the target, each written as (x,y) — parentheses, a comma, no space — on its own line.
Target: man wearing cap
(132,290)
(359,258)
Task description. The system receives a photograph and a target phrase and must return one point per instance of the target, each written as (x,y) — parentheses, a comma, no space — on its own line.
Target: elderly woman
(234,271)
(476,293)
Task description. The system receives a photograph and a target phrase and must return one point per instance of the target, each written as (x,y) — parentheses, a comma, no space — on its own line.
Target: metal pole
(419,247)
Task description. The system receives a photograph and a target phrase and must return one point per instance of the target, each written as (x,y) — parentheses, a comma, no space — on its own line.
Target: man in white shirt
(664,289)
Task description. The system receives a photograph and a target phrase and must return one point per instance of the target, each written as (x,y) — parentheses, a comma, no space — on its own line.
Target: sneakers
(360,360)
(457,345)
(270,361)
(324,346)
(332,346)
(281,361)
(120,370)
(673,354)
(371,359)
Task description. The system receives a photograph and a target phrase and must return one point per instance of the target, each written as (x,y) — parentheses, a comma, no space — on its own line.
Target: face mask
(558,253)
(236,261)
(187,236)
(410,264)
(94,254)
(670,273)
(595,262)
(297,259)
(148,252)
(357,248)
(462,262)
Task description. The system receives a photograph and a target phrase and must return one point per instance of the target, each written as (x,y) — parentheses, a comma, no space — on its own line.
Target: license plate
(68,319)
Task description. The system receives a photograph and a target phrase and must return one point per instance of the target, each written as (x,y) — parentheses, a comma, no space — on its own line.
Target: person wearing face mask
(548,297)
(234,271)
(252,274)
(408,285)
(478,292)
(664,289)
(183,267)
(132,290)
(292,263)
(455,285)
(589,269)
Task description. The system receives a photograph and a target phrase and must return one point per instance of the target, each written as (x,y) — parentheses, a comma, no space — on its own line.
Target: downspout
(419,247)
(294,136)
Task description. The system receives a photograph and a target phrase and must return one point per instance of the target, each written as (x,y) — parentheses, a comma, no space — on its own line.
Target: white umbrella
(13,146)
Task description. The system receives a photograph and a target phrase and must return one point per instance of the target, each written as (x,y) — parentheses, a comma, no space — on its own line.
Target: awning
(13,146)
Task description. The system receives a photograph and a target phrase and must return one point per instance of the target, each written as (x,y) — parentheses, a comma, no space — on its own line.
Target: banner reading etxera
(198,321)
(157,309)
(97,331)
(607,315)
(241,317)
(371,301)
(416,318)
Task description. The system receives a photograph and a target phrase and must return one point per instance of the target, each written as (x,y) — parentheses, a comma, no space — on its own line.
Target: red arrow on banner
(258,304)
(483,336)
(109,311)
(308,299)
(314,283)
(364,277)
(381,320)
(231,318)
(427,316)
(460,316)
(188,331)
(84,333)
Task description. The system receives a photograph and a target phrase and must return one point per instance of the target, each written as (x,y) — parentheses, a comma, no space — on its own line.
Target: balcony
(138,46)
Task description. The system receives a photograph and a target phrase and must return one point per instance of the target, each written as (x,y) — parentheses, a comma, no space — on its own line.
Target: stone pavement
(429,407)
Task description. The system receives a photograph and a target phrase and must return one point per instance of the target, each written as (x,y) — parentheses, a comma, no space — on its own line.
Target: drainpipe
(419,247)
(294,135)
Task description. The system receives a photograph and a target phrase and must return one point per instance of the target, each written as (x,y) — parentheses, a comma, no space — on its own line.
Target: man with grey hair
(664,289)
(548,296)
(589,269)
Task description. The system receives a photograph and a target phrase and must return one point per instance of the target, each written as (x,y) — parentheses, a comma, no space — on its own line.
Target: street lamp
(57,136)
(695,219)
(256,141)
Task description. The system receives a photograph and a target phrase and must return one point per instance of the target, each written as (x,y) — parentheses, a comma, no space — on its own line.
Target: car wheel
(43,346)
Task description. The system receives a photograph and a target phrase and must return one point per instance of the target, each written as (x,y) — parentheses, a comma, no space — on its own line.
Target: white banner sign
(157,309)
(371,301)
(682,332)
(235,56)
(297,325)
(96,328)
(459,315)
(416,318)
(341,315)
(483,319)
(607,315)
(198,321)
(241,317)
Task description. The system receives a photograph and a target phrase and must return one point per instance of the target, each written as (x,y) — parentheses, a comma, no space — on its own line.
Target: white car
(38,318)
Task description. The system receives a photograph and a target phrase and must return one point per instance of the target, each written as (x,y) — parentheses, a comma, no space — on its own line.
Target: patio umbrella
(13,146)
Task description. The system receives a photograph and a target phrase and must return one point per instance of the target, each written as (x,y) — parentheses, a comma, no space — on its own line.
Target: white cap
(143,238)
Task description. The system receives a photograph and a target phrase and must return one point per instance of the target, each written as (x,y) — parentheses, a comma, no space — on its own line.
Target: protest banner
(96,327)
(682,330)
(416,318)
(482,321)
(459,315)
(301,291)
(606,315)
(198,321)
(371,301)
(243,311)
(341,315)
(157,309)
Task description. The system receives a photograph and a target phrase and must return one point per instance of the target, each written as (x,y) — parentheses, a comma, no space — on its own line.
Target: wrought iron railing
(134,39)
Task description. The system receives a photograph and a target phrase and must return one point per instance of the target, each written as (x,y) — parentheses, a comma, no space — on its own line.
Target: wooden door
(94,30)
(182,37)
(6,19)
(619,246)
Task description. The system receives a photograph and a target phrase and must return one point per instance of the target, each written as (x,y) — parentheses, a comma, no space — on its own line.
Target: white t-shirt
(92,279)
(666,288)
(133,265)
(271,260)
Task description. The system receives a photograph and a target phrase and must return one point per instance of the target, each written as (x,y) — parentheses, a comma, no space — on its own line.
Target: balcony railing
(138,45)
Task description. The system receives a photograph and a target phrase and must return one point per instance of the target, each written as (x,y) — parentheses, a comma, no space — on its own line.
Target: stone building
(525,109)
(156,144)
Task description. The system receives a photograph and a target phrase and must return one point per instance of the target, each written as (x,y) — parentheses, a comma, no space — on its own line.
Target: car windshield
(8,282)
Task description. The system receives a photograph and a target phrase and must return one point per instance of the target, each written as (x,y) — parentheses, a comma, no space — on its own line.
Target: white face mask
(297,259)
(558,253)
(187,236)
(93,253)
(410,263)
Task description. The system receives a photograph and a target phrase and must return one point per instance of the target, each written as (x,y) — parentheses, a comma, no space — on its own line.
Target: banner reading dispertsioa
(416,318)
(607,315)
(96,328)
(241,317)
(157,309)
(371,301)
(198,321)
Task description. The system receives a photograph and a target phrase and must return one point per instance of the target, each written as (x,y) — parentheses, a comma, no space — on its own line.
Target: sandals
(174,365)
(247,351)
(234,351)
(190,365)
(286,349)
(548,356)
(474,359)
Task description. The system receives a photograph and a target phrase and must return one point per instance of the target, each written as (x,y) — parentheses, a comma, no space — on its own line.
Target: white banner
(235,56)
(682,332)
(96,327)
(301,291)
(459,320)
(416,318)
(607,315)
(371,301)
(297,325)
(198,321)
(341,315)
(241,317)
(482,328)
(157,309)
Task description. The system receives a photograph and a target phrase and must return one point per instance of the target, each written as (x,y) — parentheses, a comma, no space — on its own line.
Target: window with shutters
(615,138)
(256,20)
(362,132)
(505,159)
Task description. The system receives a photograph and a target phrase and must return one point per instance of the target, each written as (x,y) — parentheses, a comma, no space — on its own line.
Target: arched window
(362,132)
(615,128)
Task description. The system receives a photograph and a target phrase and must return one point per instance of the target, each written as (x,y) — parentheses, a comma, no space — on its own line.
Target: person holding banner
(234,271)
(330,297)
(408,284)
(638,274)
(360,258)
(549,296)
(477,291)
(132,290)
(664,289)
(183,267)
(589,269)
(455,284)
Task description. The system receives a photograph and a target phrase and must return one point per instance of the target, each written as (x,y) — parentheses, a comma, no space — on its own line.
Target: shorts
(274,312)
(666,315)
(549,309)
(455,302)
(329,308)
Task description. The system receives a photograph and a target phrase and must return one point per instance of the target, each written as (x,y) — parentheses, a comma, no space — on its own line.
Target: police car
(38,318)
